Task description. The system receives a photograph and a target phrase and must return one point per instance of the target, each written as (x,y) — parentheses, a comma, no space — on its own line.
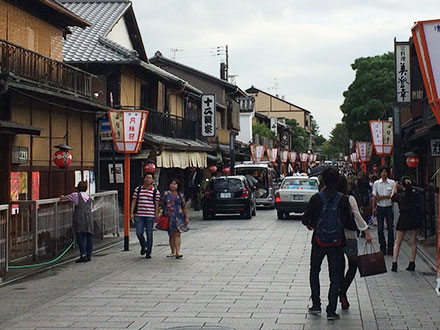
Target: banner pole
(126,202)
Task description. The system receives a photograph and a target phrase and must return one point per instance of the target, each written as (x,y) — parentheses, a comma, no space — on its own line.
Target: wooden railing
(171,126)
(44,71)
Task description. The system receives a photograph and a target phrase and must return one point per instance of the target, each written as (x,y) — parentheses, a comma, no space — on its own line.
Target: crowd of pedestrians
(345,206)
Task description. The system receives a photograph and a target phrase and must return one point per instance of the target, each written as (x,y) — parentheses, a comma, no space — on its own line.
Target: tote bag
(371,262)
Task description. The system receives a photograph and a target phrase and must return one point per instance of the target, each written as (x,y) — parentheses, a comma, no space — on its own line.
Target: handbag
(164,221)
(371,262)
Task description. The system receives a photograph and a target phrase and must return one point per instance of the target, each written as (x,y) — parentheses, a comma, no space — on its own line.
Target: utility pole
(227,63)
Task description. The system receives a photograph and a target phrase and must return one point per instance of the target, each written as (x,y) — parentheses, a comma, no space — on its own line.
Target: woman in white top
(351,249)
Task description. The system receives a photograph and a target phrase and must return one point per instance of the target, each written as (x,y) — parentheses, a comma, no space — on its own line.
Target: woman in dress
(409,220)
(174,207)
(351,249)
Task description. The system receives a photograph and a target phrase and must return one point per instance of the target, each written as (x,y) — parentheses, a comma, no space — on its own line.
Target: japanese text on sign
(403,79)
(208,115)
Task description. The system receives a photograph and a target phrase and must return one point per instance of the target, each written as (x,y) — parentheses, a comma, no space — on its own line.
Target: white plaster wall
(120,35)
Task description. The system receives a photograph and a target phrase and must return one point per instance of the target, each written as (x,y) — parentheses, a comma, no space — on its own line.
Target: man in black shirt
(334,253)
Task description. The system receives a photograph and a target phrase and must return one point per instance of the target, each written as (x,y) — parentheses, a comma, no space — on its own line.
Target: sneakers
(148,256)
(315,310)
(344,302)
(394,267)
(332,316)
(82,259)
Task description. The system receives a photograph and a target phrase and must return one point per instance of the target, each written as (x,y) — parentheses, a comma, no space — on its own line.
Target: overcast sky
(301,49)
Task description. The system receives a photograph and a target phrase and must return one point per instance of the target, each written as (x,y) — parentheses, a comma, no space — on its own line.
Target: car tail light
(277,198)
(207,193)
(245,193)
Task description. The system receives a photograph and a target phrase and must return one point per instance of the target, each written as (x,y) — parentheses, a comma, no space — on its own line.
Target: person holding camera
(409,219)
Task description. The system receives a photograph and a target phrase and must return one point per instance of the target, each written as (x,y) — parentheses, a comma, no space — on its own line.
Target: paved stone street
(240,274)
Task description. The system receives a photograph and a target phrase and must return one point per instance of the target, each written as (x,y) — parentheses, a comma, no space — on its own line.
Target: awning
(10,127)
(170,159)
(177,144)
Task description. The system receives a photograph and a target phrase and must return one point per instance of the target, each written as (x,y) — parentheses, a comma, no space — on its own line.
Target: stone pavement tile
(283,327)
(246,324)
(77,318)
(43,324)
(97,324)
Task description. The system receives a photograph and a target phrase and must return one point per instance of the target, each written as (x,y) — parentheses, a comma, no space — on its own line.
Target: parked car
(264,177)
(229,195)
(294,195)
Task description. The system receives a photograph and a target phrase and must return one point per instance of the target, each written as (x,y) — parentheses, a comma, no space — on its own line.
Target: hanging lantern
(62,158)
(412,161)
(227,170)
(212,168)
(149,168)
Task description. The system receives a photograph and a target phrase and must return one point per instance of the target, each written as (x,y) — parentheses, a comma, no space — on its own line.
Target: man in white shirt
(383,207)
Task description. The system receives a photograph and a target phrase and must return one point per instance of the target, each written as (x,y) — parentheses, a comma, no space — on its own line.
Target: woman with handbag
(174,207)
(351,249)
(409,220)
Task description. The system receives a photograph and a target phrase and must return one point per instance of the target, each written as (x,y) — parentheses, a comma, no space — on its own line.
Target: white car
(294,195)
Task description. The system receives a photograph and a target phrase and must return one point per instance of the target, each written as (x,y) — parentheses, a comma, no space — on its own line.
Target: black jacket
(311,215)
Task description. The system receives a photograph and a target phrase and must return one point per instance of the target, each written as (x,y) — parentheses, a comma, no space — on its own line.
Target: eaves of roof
(253,90)
(159,58)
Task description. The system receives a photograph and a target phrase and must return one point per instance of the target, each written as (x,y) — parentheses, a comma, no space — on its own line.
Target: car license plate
(298,197)
(225,195)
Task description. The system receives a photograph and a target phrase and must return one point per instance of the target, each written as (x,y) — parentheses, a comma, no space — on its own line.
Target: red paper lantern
(412,161)
(62,158)
(212,169)
(149,168)
(227,170)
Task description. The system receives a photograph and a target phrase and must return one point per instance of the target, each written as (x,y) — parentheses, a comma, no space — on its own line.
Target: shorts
(351,249)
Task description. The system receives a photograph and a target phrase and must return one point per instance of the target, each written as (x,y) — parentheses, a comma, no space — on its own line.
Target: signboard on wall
(119,173)
(403,78)
(435,148)
(19,155)
(208,115)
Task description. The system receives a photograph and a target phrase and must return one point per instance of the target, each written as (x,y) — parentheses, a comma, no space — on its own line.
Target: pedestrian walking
(383,208)
(356,222)
(82,221)
(174,207)
(145,205)
(326,215)
(409,220)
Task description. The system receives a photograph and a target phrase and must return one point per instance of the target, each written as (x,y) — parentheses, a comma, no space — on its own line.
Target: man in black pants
(334,253)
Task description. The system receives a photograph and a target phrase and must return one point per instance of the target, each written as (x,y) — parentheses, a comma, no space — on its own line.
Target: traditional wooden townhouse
(44,102)
(112,48)
(227,119)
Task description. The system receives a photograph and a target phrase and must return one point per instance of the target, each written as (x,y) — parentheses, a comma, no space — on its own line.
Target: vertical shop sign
(208,115)
(403,78)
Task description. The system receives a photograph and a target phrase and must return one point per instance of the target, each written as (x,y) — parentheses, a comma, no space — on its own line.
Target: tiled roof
(91,44)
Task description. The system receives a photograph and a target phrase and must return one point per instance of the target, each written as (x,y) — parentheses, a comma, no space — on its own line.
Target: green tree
(318,139)
(262,130)
(338,142)
(300,137)
(370,96)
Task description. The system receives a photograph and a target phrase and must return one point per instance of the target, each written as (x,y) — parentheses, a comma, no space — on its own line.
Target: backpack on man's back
(329,229)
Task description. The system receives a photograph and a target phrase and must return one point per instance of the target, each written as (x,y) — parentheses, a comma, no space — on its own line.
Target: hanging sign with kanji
(353,157)
(128,129)
(364,151)
(402,70)
(426,36)
(272,154)
(284,156)
(292,156)
(257,152)
(304,157)
(208,115)
(313,158)
(382,135)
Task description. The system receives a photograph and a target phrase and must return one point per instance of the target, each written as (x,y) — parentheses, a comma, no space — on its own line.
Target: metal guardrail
(44,70)
(4,216)
(43,228)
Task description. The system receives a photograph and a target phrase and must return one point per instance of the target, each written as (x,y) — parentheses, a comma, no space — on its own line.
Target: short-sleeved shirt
(383,188)
(145,205)
(73,197)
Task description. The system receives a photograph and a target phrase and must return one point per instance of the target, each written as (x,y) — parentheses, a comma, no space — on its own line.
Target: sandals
(179,256)
(171,255)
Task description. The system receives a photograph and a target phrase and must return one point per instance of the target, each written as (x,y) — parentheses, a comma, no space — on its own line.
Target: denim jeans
(145,223)
(385,213)
(335,258)
(85,243)
(351,251)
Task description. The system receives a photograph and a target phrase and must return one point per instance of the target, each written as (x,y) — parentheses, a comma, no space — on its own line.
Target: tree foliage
(338,142)
(318,138)
(263,130)
(300,137)
(370,96)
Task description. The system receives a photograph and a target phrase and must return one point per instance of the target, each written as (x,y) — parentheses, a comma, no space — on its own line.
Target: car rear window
(300,184)
(227,184)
